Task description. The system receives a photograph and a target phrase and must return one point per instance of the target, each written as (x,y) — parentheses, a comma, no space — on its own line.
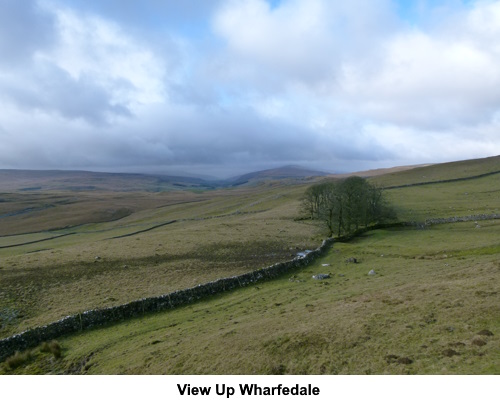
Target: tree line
(347,205)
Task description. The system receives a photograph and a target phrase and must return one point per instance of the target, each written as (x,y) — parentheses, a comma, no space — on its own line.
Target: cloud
(224,84)
(89,69)
(53,90)
(299,41)
(25,28)
(287,39)
(429,82)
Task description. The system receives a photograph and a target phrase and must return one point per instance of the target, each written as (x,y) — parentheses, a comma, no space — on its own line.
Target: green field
(433,306)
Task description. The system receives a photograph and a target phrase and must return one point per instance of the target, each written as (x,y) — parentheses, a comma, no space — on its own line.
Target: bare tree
(345,206)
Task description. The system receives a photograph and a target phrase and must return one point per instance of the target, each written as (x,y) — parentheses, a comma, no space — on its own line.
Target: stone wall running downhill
(105,316)
(98,317)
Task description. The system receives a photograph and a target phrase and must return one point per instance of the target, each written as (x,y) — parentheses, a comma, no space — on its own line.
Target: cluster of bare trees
(346,205)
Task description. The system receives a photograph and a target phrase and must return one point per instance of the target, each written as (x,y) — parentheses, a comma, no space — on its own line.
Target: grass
(446,171)
(419,314)
(45,355)
(227,233)
(463,198)
(422,313)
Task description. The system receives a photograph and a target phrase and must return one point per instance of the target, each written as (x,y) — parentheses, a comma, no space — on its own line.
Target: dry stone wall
(450,220)
(99,317)
(105,316)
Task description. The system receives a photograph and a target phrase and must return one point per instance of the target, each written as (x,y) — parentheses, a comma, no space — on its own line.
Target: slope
(430,308)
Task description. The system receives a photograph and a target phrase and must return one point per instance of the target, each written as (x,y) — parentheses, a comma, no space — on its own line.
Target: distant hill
(284,172)
(378,172)
(73,180)
(39,180)
(68,180)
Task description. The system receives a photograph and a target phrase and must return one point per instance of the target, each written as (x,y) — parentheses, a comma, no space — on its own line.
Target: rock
(97,258)
(320,276)
(485,332)
(371,272)
(325,265)
(478,341)
(352,260)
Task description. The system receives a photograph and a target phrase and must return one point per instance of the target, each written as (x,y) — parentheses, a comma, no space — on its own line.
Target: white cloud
(95,47)
(428,81)
(291,40)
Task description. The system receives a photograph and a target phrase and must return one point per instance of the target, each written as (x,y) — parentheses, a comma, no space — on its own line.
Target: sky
(223,87)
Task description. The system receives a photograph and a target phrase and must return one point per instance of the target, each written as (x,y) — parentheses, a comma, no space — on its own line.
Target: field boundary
(450,220)
(478,176)
(105,316)
(37,241)
(144,230)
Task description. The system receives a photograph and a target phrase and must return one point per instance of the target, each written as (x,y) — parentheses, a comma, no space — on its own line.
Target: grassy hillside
(185,240)
(77,181)
(458,198)
(427,310)
(441,172)
(432,306)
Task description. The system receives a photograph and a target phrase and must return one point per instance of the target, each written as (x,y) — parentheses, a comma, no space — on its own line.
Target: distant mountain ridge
(74,180)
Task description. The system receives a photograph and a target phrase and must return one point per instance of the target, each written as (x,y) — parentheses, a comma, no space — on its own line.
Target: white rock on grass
(371,272)
(320,276)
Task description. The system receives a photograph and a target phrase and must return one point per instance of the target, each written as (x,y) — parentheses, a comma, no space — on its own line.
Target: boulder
(320,276)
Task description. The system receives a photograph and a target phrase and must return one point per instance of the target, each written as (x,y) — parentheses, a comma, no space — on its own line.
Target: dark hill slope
(67,180)
(285,172)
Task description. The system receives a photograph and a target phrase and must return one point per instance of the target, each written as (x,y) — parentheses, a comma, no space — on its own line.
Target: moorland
(432,307)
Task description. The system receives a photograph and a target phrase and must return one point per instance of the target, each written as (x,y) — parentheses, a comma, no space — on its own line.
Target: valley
(63,252)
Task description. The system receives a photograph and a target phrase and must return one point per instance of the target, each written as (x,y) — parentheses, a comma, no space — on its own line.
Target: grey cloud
(24,29)
(194,136)
(52,89)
